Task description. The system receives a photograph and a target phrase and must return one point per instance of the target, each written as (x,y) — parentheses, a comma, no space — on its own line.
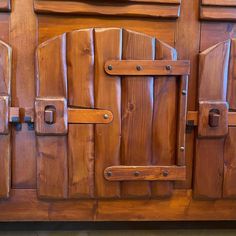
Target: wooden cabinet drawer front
(133,8)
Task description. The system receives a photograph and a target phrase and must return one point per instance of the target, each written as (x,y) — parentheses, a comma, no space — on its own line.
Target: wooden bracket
(148,173)
(147,67)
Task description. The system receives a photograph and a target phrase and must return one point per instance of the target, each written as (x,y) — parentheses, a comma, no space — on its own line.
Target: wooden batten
(133,8)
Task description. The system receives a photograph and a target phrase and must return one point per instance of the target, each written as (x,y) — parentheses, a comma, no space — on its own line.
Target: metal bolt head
(139,68)
(109,67)
(182,149)
(136,173)
(184,92)
(168,67)
(165,173)
(109,173)
(106,116)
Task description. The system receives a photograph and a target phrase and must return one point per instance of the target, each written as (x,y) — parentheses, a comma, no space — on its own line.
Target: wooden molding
(146,8)
(5,5)
(218,10)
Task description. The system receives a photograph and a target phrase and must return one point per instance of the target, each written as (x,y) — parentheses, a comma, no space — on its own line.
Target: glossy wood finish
(134,9)
(5,93)
(52,150)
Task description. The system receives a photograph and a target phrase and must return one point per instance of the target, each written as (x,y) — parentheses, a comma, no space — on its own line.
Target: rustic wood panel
(137,111)
(23,33)
(5,5)
(80,61)
(52,150)
(209,152)
(164,112)
(5,146)
(107,96)
(116,9)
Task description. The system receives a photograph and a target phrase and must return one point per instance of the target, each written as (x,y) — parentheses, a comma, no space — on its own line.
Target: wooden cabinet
(117,110)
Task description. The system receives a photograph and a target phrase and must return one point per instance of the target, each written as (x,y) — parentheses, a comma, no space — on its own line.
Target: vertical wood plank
(229,184)
(80,61)
(208,177)
(164,120)
(23,40)
(137,112)
(5,147)
(52,150)
(107,96)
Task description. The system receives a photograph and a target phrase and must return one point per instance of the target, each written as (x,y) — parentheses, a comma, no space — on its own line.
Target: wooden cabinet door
(141,152)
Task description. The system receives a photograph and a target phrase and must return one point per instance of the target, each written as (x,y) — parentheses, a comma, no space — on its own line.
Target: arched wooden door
(140,151)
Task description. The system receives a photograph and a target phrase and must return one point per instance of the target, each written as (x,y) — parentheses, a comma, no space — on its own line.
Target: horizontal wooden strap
(192,117)
(147,67)
(89,116)
(148,173)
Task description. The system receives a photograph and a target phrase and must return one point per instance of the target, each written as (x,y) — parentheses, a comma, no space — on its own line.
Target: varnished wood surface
(219,2)
(118,9)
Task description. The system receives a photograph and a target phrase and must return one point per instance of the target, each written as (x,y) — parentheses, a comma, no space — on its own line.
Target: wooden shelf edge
(5,6)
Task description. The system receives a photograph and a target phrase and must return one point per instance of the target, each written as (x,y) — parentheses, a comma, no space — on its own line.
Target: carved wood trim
(146,8)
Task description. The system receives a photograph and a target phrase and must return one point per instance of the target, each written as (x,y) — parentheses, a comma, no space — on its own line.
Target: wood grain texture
(188,30)
(147,173)
(218,13)
(5,145)
(164,112)
(219,2)
(137,111)
(80,61)
(107,96)
(125,1)
(52,150)
(118,9)
(23,33)
(5,5)
(147,67)
(209,152)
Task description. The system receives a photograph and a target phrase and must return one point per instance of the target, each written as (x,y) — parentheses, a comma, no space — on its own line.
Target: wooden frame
(146,8)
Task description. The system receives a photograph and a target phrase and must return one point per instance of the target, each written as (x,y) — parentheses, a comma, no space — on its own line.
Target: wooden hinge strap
(147,67)
(148,173)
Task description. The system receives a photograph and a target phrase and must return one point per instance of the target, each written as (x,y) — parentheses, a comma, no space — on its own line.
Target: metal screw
(182,149)
(109,67)
(109,173)
(106,116)
(165,173)
(168,67)
(139,68)
(136,173)
(184,92)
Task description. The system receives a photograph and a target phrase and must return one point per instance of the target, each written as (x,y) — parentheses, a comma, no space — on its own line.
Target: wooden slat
(89,116)
(5,5)
(137,111)
(164,120)
(218,13)
(219,2)
(147,67)
(5,147)
(145,173)
(107,96)
(80,60)
(52,150)
(209,152)
(118,9)
(229,185)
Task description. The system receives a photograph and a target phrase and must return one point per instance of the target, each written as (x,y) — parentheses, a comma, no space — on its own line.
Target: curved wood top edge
(131,9)
(215,47)
(5,5)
